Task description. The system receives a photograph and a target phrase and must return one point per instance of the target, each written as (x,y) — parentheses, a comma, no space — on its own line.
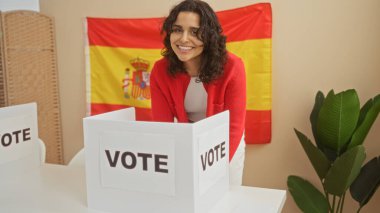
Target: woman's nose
(184,36)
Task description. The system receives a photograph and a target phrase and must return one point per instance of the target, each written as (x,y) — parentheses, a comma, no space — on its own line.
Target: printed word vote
(213,154)
(131,160)
(15,137)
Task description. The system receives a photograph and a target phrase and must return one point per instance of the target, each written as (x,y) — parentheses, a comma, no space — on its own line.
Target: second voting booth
(138,166)
(19,149)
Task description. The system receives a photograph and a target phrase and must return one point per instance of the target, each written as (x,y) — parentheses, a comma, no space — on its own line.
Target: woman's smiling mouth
(184,48)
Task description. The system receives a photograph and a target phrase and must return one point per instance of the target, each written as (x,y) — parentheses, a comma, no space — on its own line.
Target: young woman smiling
(198,78)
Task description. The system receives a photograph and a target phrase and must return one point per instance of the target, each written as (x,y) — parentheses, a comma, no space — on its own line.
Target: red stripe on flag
(238,25)
(258,125)
(132,33)
(142,114)
(145,33)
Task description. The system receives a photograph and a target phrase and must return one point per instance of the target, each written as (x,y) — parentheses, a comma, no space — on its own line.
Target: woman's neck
(192,67)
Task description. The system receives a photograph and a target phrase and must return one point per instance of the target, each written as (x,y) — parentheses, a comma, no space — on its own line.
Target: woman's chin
(183,59)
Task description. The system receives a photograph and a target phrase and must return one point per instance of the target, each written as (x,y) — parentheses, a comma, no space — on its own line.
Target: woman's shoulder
(160,68)
(233,63)
(160,63)
(232,58)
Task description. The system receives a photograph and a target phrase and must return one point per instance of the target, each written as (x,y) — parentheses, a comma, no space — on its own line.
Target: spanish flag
(120,54)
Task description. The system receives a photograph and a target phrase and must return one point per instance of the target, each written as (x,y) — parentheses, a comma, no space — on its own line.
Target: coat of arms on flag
(120,54)
(136,82)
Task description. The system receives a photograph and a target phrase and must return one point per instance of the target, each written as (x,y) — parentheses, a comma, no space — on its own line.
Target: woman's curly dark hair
(214,53)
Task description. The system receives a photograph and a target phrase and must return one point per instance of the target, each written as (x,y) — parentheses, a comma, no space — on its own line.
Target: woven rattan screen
(29,73)
(2,78)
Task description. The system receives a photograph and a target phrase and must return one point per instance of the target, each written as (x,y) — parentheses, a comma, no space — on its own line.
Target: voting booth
(136,166)
(19,149)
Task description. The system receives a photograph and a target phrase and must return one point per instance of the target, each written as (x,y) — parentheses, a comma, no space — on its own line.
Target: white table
(57,188)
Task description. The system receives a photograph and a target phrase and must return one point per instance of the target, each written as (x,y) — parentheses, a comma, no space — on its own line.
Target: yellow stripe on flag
(108,87)
(256,55)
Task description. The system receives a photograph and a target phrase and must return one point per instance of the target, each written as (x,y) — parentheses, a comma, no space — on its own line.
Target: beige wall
(317,45)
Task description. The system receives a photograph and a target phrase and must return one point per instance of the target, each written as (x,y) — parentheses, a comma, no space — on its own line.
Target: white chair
(42,150)
(78,160)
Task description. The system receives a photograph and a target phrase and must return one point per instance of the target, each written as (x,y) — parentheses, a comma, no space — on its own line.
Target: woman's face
(183,38)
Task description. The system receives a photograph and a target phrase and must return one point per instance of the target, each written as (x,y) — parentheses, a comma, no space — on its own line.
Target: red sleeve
(160,106)
(235,102)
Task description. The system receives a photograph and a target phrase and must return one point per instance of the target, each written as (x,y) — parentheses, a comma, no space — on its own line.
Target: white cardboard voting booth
(135,166)
(19,149)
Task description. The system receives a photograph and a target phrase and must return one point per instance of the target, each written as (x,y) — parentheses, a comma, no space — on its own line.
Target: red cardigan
(228,92)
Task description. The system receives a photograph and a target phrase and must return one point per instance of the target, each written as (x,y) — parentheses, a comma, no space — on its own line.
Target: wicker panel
(2,71)
(31,73)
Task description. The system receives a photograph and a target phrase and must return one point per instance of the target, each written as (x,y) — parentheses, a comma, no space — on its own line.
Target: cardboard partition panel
(135,166)
(19,149)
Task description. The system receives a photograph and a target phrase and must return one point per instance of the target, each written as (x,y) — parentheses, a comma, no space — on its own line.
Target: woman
(198,78)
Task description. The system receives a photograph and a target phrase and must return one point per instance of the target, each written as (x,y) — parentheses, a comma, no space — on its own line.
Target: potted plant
(339,128)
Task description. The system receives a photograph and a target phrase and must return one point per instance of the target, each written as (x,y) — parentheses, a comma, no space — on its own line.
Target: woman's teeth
(184,48)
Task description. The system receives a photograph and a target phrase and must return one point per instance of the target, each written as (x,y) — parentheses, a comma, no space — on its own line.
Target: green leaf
(368,181)
(307,197)
(344,171)
(319,98)
(319,161)
(330,154)
(337,119)
(368,115)
(363,111)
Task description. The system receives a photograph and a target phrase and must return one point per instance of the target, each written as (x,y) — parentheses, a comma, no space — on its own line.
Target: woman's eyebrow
(179,26)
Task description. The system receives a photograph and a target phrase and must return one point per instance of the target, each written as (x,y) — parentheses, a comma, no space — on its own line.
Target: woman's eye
(194,32)
(176,30)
